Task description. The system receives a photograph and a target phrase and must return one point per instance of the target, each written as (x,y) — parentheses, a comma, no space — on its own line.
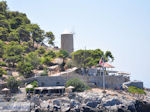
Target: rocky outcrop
(98,102)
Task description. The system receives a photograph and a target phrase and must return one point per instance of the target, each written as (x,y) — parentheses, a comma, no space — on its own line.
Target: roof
(108,65)
(29,86)
(67,32)
(123,73)
(70,87)
(49,88)
(5,89)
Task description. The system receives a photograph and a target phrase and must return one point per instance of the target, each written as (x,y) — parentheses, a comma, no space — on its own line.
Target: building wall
(111,81)
(67,42)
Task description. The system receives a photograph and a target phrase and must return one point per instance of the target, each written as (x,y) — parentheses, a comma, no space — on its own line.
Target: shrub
(45,72)
(2,72)
(51,54)
(25,68)
(34,84)
(2,63)
(13,84)
(134,90)
(78,85)
(46,61)
(41,50)
(69,64)
(29,89)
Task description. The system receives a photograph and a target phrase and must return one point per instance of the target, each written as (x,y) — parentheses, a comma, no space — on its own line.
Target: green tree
(2,72)
(13,36)
(108,55)
(78,85)
(3,33)
(33,59)
(3,7)
(51,54)
(2,17)
(36,33)
(41,50)
(24,34)
(25,68)
(1,48)
(50,37)
(63,54)
(13,53)
(46,60)
(88,58)
(12,84)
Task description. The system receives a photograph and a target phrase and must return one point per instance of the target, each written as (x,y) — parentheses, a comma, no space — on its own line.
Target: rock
(112,102)
(56,108)
(88,109)
(131,108)
(56,102)
(124,110)
(137,84)
(74,104)
(142,106)
(92,104)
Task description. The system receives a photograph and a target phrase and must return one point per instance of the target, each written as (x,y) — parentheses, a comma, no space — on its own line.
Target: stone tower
(67,41)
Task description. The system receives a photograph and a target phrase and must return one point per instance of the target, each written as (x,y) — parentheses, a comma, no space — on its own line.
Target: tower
(67,41)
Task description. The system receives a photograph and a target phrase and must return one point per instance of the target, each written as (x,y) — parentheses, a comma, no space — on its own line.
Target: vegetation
(135,90)
(21,46)
(2,63)
(13,84)
(50,37)
(45,72)
(63,54)
(19,41)
(25,69)
(78,85)
(34,84)
(2,72)
(88,58)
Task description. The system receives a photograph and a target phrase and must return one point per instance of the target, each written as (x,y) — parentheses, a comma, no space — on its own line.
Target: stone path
(21,96)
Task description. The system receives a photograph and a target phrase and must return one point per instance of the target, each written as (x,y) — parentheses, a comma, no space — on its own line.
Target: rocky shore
(96,101)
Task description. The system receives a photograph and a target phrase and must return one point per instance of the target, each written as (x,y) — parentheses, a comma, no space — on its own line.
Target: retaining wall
(111,81)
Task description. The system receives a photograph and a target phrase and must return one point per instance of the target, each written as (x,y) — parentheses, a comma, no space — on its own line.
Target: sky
(121,26)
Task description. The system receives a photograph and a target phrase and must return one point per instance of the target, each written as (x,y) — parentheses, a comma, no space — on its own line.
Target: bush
(34,83)
(25,68)
(79,85)
(41,50)
(29,89)
(13,84)
(2,72)
(134,90)
(51,54)
(45,72)
(2,63)
(46,61)
(69,64)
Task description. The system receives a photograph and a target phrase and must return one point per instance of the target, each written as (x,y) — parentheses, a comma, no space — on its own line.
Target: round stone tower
(67,41)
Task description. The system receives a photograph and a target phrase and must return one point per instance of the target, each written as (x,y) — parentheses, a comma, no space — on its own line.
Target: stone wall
(111,81)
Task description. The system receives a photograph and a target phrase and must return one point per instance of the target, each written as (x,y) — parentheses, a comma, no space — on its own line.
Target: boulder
(92,104)
(111,102)
(137,84)
(142,106)
(88,109)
